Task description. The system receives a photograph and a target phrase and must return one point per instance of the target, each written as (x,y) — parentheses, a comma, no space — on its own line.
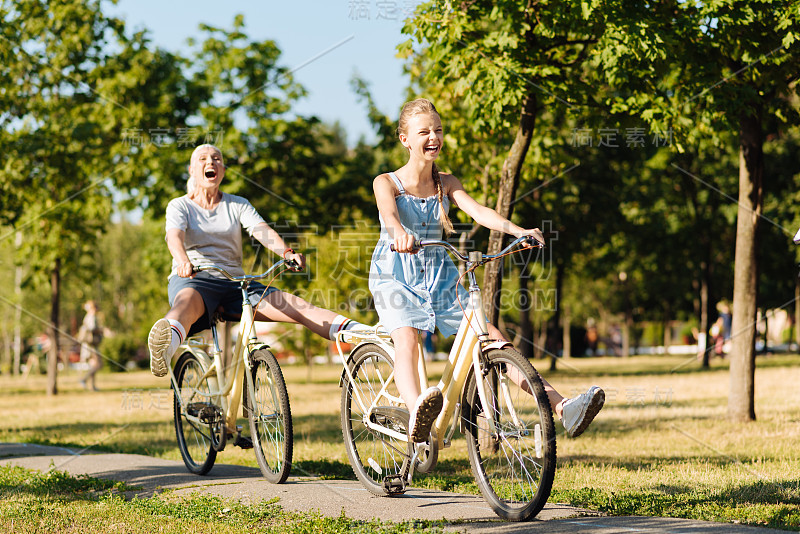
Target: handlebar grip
(292,265)
(417,245)
(532,241)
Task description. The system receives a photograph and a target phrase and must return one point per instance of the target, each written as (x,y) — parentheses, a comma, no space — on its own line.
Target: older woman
(204,227)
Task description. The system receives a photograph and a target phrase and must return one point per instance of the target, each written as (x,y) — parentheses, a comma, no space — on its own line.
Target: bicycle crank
(212,416)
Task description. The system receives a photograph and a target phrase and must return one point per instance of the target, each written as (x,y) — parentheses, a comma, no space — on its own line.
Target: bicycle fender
(198,352)
(252,347)
(496,345)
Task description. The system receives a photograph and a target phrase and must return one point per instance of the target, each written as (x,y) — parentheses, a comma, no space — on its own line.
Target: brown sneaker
(425,412)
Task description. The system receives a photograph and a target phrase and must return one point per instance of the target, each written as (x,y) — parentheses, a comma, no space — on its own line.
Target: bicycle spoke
(194,439)
(515,468)
(270,417)
(373,454)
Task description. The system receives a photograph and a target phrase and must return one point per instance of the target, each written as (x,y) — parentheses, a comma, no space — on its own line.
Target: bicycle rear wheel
(515,468)
(270,417)
(373,455)
(194,436)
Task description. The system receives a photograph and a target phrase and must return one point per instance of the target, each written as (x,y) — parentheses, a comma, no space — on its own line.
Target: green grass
(31,501)
(662,446)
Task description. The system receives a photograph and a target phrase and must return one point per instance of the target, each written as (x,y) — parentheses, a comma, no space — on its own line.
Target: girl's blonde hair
(418,107)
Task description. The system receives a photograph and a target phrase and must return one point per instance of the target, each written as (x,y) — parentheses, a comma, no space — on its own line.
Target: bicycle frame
(226,386)
(471,342)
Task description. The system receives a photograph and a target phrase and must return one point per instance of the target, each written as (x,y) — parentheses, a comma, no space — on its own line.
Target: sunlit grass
(661,445)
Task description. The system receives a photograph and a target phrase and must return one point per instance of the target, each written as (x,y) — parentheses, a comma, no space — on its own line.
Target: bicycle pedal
(243,441)
(394,485)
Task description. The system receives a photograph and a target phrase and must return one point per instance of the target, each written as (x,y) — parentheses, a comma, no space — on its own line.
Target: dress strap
(397,183)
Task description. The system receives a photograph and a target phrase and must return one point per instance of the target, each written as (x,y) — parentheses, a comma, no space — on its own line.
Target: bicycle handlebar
(291,264)
(529,240)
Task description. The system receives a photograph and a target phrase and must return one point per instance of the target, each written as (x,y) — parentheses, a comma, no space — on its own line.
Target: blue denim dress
(417,290)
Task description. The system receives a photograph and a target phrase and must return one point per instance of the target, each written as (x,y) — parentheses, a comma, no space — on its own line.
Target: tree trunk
(17,359)
(702,331)
(797,311)
(52,360)
(566,341)
(628,320)
(506,193)
(741,397)
(525,344)
(557,315)
(667,332)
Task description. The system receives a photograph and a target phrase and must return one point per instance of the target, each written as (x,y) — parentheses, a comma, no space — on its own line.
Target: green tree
(76,86)
(698,68)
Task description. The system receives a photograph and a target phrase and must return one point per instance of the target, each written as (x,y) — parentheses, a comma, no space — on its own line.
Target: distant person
(205,227)
(592,337)
(90,335)
(717,333)
(727,320)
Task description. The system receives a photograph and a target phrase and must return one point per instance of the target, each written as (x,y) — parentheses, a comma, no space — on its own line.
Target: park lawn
(50,502)
(661,446)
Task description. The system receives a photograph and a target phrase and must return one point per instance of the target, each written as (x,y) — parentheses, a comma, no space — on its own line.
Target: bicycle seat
(220,316)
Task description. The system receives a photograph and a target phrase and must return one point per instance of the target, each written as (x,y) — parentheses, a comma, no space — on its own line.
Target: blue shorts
(217,293)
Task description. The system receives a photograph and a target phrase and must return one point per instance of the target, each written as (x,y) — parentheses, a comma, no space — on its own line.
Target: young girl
(418,290)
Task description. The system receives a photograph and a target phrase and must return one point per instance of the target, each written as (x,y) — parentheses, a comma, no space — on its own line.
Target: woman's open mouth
(431,149)
(211,173)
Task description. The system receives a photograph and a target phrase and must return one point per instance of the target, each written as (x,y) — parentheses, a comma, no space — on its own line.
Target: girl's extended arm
(484,216)
(387,206)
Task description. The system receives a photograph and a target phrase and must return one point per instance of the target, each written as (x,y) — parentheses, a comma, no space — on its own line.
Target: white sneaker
(577,413)
(425,412)
(158,342)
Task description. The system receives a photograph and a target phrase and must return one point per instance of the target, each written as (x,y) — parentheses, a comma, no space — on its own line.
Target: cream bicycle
(208,394)
(491,393)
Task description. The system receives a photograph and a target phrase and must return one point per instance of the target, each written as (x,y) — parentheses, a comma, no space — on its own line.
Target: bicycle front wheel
(372,454)
(515,467)
(192,405)
(270,417)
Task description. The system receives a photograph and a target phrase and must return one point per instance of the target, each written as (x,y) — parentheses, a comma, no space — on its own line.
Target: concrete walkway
(469,513)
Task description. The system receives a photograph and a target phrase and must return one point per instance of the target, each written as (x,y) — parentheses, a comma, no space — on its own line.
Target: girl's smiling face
(423,136)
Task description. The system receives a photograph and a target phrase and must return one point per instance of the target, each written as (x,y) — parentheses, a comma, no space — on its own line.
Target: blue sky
(325,40)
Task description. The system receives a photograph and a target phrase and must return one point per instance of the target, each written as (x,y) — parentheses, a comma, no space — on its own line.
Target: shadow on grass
(147,438)
(651,366)
(771,504)
(14,479)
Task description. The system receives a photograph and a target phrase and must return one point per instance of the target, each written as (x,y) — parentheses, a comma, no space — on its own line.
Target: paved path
(469,513)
